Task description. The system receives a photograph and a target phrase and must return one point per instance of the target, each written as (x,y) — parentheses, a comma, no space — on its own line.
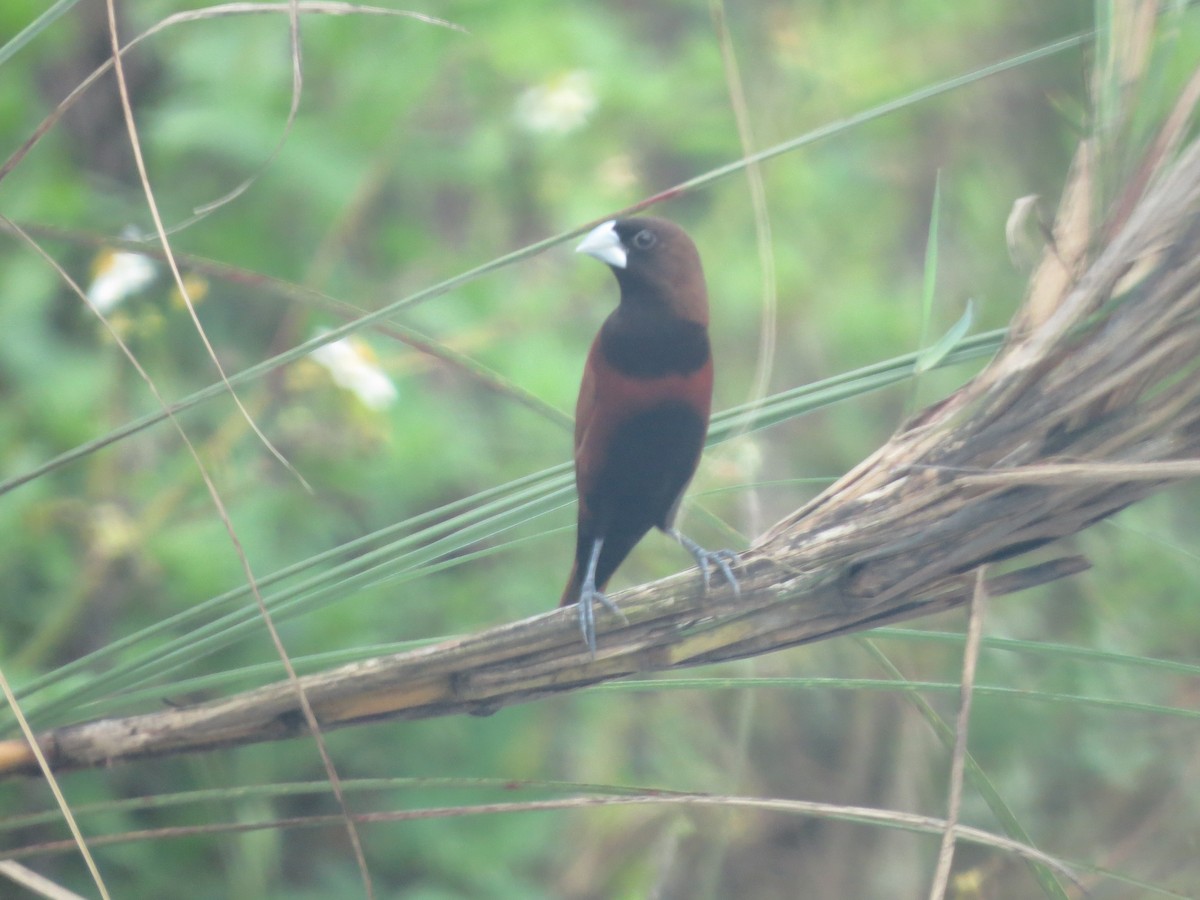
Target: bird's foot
(588,598)
(723,560)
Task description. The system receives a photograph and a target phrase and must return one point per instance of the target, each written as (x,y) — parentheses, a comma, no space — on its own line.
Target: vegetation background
(420,152)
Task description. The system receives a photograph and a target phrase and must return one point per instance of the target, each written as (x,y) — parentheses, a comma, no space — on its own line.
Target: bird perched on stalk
(643,407)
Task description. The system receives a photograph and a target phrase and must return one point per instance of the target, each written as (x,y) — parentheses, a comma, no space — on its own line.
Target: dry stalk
(1095,389)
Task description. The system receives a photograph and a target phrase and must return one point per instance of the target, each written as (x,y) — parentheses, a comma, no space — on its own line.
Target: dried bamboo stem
(1093,404)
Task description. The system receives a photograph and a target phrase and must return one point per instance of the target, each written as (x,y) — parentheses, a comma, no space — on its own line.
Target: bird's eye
(644,239)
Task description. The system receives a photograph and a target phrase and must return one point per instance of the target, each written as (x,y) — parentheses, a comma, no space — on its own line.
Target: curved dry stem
(1105,384)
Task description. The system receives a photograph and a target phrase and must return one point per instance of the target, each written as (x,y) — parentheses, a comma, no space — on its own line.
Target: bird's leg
(704,558)
(588,595)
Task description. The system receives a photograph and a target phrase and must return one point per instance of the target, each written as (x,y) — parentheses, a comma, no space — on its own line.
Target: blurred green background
(418,153)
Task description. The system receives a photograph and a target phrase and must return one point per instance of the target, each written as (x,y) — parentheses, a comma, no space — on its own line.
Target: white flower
(119,274)
(352,366)
(558,106)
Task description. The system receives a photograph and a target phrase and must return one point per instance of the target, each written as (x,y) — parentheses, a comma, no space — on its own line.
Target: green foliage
(420,153)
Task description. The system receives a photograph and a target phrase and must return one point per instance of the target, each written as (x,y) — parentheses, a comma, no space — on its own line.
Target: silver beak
(604,244)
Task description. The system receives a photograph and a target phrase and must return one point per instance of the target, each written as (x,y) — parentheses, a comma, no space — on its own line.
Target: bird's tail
(570,593)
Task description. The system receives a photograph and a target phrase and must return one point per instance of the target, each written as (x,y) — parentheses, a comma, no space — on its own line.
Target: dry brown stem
(1091,405)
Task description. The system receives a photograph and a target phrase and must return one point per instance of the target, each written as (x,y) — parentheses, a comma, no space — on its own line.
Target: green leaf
(932,355)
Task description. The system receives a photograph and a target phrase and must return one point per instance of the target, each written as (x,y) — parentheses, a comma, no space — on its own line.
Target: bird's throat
(651,344)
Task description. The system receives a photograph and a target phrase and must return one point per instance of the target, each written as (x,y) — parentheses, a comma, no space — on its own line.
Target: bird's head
(655,262)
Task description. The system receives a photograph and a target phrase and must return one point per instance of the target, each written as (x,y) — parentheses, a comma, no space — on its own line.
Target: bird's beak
(604,243)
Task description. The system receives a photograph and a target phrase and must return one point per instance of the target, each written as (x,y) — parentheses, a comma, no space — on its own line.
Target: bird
(643,408)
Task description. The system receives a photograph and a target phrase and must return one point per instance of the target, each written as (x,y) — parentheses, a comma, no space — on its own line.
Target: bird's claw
(719,559)
(588,597)
(723,560)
